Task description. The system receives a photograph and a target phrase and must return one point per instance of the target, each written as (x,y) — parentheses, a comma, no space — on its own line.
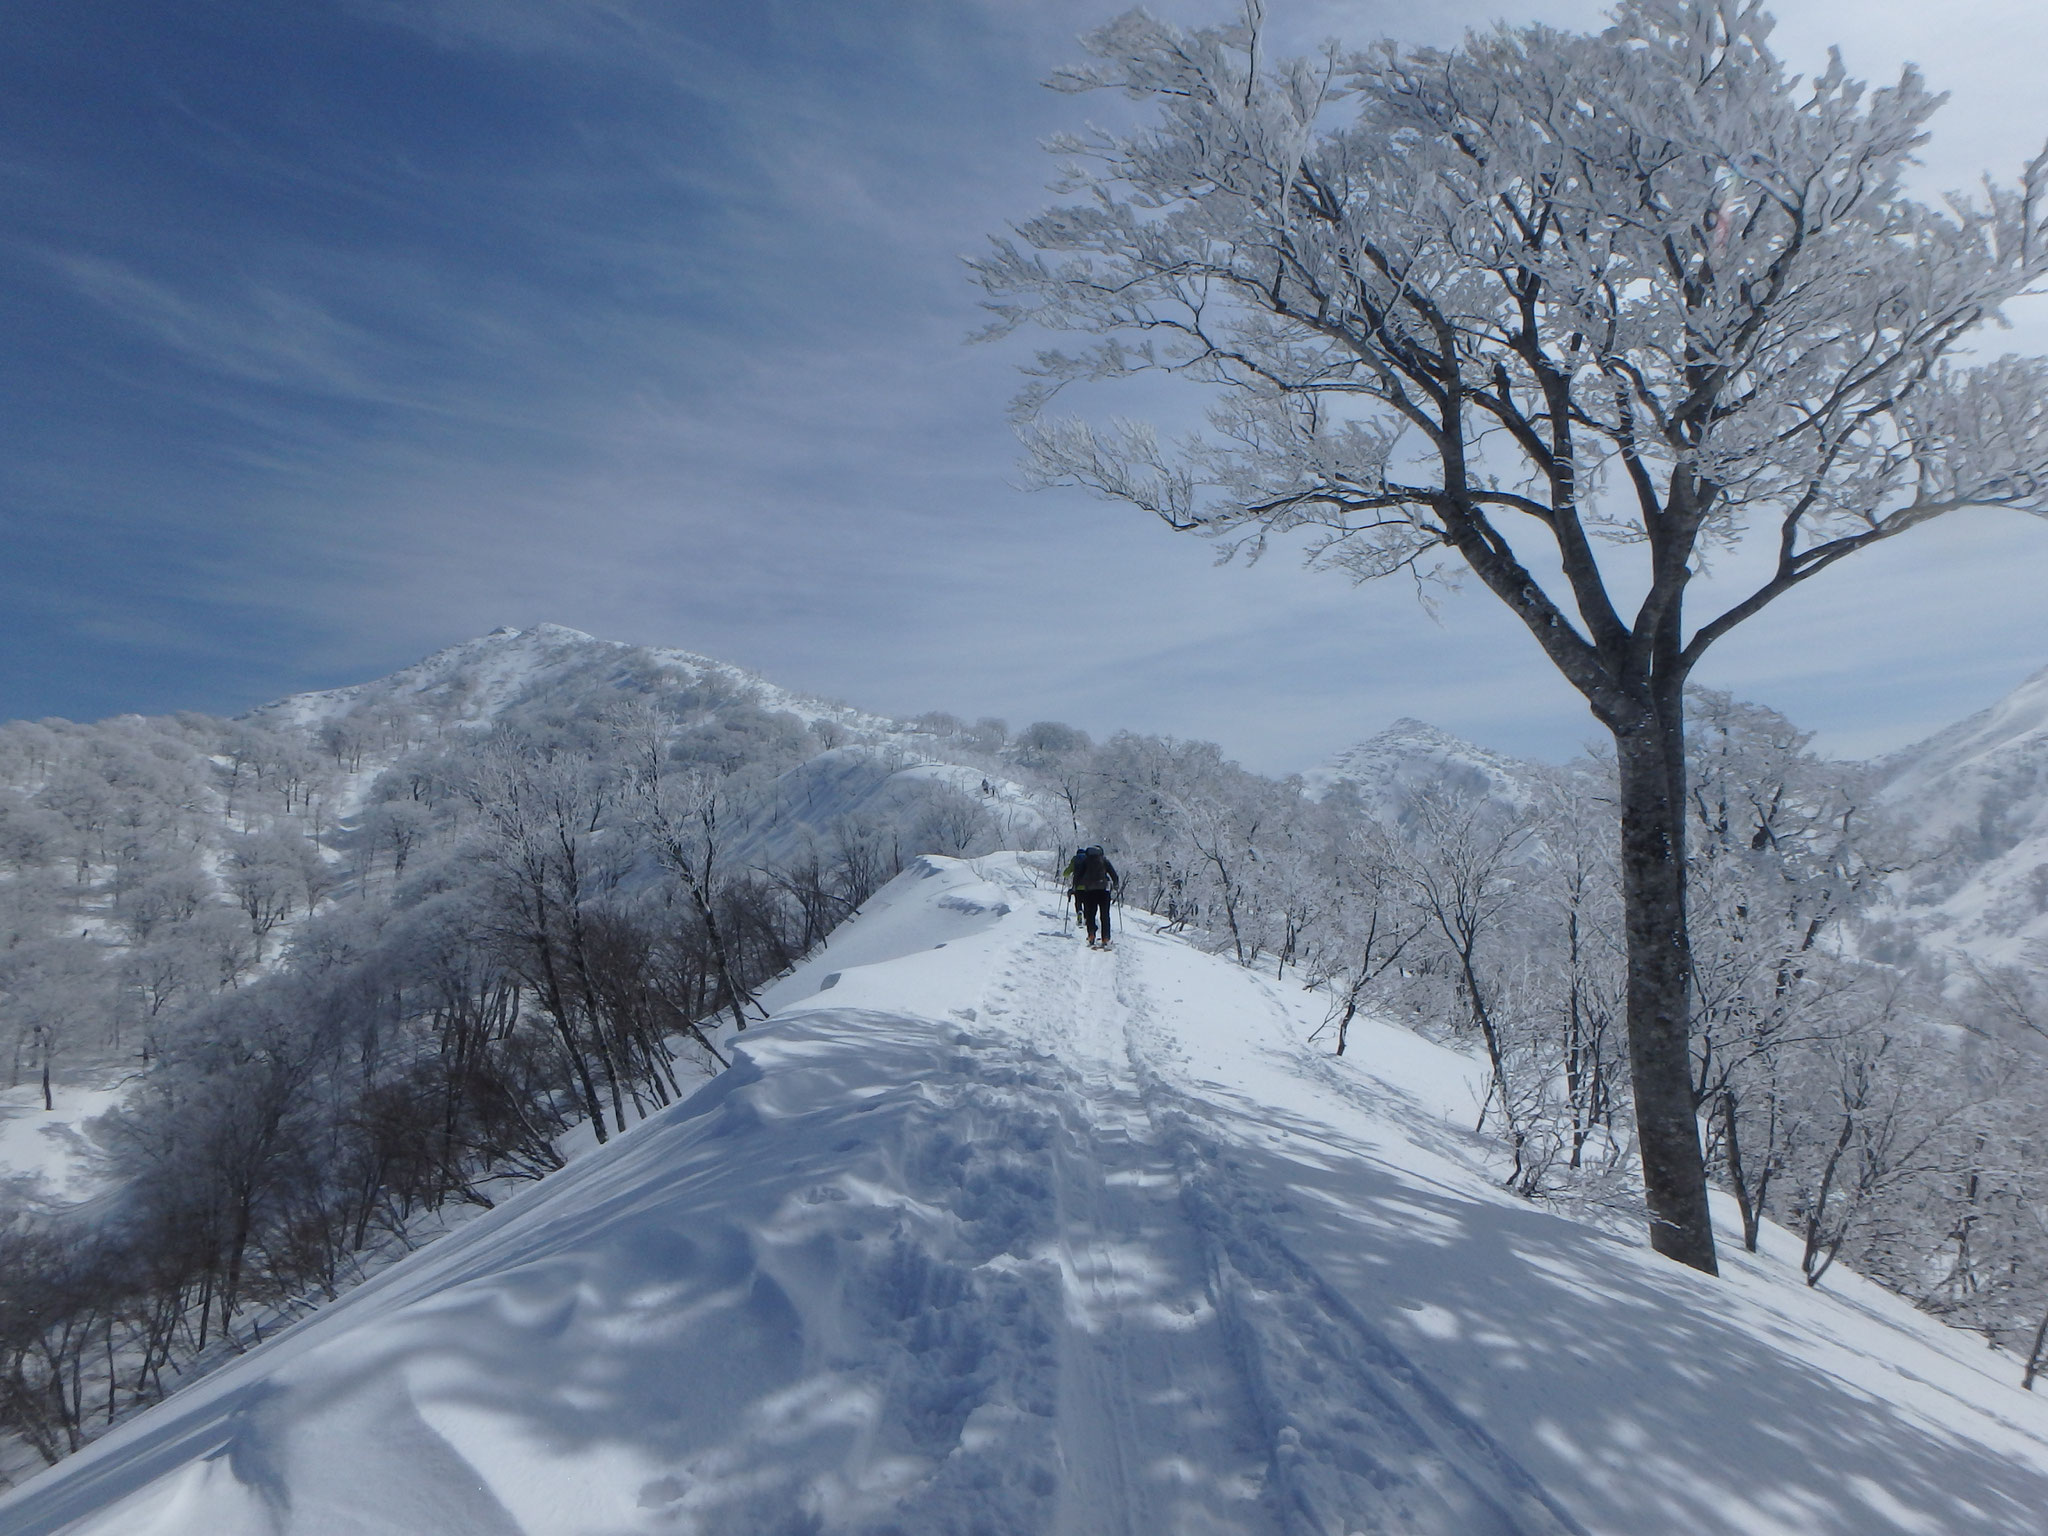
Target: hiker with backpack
(1091,878)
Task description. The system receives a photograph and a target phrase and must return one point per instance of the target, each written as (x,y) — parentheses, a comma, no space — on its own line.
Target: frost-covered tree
(1460,862)
(542,845)
(1370,925)
(267,876)
(686,811)
(1578,975)
(1783,849)
(1572,313)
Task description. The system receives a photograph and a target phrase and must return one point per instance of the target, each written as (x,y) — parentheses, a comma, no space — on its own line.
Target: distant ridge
(1975,797)
(474,681)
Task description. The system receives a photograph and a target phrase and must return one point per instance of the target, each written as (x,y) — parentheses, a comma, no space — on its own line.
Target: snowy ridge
(474,681)
(2016,720)
(1976,798)
(988,1232)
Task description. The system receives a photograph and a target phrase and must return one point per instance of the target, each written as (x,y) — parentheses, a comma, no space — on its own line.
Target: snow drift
(989,1233)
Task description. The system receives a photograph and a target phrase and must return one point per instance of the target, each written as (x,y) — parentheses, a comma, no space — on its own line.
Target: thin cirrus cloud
(337,334)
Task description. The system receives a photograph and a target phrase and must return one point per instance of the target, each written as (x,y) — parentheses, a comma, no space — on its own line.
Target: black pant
(1094,907)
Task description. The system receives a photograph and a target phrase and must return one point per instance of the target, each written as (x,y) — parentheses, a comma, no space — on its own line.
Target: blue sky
(336,332)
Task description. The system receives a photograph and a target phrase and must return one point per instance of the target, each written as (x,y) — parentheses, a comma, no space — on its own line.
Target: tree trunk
(1350,1009)
(1820,1248)
(1752,1216)
(2034,1354)
(1652,768)
(556,1005)
(1483,1017)
(701,897)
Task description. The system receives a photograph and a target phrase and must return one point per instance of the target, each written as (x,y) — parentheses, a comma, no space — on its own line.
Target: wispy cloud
(258,333)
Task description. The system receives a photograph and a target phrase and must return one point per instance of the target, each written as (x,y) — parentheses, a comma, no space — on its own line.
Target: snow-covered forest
(356,963)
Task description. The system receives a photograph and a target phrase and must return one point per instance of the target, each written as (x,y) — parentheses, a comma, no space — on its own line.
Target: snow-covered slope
(990,1233)
(1410,757)
(1976,799)
(551,670)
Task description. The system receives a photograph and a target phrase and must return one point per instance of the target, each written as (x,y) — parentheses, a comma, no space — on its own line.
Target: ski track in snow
(1250,1340)
(993,1234)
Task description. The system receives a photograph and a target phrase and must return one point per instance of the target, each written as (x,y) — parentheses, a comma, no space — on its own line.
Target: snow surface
(987,1232)
(51,1150)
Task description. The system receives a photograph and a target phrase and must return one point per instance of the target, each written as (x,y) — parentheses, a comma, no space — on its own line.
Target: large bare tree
(1574,313)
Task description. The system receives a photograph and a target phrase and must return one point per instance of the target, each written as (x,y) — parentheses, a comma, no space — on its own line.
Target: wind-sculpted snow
(990,1233)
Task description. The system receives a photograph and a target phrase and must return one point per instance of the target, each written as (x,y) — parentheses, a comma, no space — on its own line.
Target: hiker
(1092,877)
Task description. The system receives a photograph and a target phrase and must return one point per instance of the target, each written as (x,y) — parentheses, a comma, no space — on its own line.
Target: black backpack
(1091,870)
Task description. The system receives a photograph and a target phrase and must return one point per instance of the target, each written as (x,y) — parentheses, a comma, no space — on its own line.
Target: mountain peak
(1391,768)
(474,681)
(552,634)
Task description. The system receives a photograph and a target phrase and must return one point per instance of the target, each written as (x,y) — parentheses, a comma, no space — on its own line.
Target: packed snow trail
(989,1234)
(1151,1407)
(1347,1431)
